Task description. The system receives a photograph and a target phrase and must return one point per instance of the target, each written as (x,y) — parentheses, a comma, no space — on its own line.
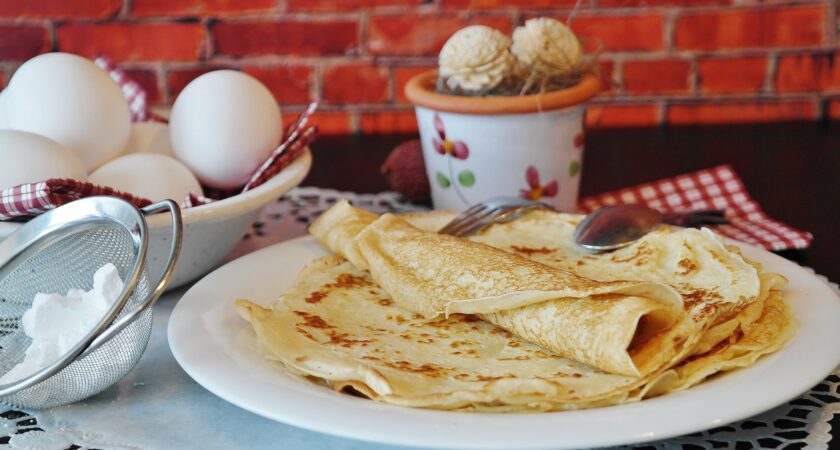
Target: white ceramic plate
(217,348)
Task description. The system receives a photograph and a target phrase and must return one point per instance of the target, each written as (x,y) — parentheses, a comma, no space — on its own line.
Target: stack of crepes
(516,318)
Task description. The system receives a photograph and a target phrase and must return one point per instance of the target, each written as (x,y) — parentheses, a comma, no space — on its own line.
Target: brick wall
(664,61)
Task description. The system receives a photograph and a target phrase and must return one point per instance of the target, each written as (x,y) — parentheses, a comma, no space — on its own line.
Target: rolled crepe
(619,327)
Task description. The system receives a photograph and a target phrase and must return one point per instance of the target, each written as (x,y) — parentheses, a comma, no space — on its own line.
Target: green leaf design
(466,178)
(442,180)
(574,168)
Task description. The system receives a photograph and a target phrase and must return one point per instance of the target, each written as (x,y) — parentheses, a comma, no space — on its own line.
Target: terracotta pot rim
(420,90)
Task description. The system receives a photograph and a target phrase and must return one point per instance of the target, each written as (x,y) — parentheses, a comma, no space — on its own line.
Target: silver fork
(508,209)
(484,214)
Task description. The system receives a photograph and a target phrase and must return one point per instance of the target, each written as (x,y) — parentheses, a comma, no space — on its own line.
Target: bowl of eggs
(61,116)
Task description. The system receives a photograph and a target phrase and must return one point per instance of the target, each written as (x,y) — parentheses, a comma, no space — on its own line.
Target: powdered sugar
(56,323)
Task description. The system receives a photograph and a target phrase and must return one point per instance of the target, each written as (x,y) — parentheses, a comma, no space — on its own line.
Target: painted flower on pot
(537,191)
(579,140)
(456,149)
(574,166)
(450,148)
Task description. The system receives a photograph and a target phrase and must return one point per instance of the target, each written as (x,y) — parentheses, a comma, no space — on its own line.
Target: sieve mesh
(70,263)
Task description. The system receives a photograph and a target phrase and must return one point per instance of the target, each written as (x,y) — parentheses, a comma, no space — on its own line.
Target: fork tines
(484,214)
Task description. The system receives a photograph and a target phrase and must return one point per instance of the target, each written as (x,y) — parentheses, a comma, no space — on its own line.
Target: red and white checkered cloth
(28,200)
(134,94)
(298,136)
(715,188)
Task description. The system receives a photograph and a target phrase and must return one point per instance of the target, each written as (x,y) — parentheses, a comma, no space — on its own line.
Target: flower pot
(476,148)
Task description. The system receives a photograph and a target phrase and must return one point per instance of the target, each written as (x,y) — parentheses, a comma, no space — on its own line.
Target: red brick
(742,112)
(605,71)
(728,75)
(59,9)
(178,79)
(401,77)
(833,109)
(198,7)
(647,3)
(21,42)
(772,27)
(422,35)
(147,79)
(608,116)
(355,83)
(656,76)
(636,32)
(808,73)
(506,4)
(134,42)
(348,5)
(292,37)
(289,84)
(327,122)
(385,122)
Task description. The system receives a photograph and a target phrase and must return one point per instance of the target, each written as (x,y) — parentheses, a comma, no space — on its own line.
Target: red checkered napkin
(134,94)
(29,200)
(715,188)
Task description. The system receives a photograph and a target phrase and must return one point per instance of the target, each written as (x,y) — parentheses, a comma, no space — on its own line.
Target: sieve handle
(174,250)
(174,253)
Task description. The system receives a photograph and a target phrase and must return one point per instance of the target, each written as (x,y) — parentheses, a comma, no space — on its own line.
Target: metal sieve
(60,250)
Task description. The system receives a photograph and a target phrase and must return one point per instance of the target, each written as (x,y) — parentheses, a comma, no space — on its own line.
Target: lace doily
(805,422)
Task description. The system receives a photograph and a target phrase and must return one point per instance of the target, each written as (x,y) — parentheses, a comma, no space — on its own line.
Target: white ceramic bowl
(210,231)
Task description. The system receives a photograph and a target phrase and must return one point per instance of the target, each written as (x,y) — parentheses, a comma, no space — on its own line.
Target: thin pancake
(336,324)
(716,281)
(696,260)
(773,329)
(602,324)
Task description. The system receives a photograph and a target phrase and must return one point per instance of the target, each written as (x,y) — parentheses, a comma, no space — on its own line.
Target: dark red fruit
(406,172)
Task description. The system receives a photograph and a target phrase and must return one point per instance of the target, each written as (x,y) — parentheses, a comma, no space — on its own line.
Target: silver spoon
(617,226)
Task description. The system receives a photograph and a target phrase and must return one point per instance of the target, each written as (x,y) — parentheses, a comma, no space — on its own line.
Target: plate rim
(758,405)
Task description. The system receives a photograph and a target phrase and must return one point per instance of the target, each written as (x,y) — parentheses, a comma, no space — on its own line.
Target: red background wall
(664,61)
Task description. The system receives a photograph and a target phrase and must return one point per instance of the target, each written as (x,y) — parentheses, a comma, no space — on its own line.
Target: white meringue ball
(70,100)
(547,46)
(149,175)
(223,125)
(30,158)
(475,58)
(149,137)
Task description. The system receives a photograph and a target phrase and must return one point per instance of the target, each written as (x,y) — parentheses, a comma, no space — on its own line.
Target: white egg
(70,100)
(149,175)
(30,158)
(4,121)
(223,125)
(149,137)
